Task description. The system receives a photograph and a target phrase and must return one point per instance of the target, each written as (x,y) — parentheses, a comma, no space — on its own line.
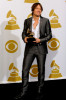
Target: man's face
(37,11)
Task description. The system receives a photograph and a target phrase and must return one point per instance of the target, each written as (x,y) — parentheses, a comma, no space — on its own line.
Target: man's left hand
(37,40)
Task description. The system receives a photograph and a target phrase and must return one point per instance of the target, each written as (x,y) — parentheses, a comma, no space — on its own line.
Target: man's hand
(26,39)
(37,40)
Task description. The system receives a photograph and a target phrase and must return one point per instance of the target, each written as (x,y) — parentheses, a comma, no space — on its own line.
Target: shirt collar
(33,18)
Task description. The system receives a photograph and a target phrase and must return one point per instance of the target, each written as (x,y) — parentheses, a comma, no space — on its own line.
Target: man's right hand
(26,39)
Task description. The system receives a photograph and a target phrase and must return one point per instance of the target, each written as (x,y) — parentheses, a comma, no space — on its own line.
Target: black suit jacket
(45,34)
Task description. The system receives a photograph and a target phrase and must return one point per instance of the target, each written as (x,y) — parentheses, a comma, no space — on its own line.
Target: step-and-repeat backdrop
(12,16)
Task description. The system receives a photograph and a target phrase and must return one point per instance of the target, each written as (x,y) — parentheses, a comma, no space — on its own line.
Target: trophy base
(31,39)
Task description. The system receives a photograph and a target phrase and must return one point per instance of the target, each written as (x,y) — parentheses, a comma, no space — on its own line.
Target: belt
(35,44)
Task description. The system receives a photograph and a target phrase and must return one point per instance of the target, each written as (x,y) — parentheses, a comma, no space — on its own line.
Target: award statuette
(30,35)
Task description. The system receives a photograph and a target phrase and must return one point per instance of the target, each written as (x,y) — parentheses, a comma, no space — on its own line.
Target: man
(38,48)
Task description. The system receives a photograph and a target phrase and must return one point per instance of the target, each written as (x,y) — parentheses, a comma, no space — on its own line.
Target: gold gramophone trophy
(30,34)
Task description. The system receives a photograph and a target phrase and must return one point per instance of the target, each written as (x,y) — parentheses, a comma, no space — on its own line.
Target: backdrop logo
(55,72)
(11,46)
(14,76)
(9,0)
(11,23)
(54,21)
(34,71)
(30,15)
(53,44)
(31,1)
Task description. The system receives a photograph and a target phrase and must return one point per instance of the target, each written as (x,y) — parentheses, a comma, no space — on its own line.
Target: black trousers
(27,62)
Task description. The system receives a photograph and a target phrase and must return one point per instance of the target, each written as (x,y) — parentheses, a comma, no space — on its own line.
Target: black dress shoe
(39,96)
(40,90)
(20,96)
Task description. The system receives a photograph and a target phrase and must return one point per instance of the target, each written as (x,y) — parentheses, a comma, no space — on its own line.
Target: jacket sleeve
(48,32)
(24,30)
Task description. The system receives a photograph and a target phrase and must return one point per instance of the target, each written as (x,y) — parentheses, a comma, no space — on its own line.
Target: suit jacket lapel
(30,24)
(40,25)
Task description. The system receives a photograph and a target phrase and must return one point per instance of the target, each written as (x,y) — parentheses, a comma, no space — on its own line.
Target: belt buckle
(36,44)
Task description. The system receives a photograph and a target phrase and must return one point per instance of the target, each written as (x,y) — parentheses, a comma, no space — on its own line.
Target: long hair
(35,5)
